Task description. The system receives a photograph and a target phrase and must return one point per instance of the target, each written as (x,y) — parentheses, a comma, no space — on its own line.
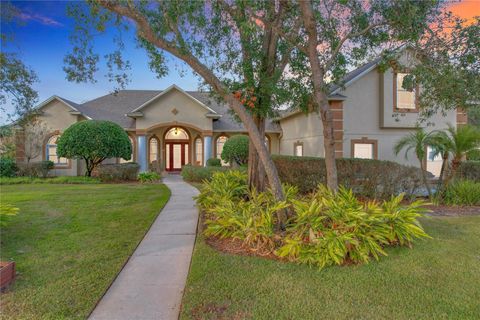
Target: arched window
(131,156)
(220,142)
(153,149)
(198,151)
(51,151)
(176,134)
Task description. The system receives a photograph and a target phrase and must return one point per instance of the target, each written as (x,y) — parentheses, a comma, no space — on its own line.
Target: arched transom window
(176,134)
(153,149)
(198,151)
(51,151)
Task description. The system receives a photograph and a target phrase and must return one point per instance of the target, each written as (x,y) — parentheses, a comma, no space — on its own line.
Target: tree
(7,142)
(418,142)
(35,132)
(220,41)
(338,34)
(94,141)
(457,143)
(235,150)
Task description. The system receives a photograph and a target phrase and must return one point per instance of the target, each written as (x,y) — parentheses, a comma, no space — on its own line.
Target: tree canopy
(235,149)
(94,141)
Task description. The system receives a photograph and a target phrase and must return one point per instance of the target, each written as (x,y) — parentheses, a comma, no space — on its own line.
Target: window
(267,143)
(131,156)
(298,149)
(51,152)
(176,134)
(364,148)
(220,142)
(198,151)
(404,99)
(153,149)
(434,162)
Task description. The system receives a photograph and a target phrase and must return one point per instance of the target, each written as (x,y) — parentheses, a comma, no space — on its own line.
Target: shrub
(469,170)
(214,162)
(94,141)
(199,174)
(35,169)
(59,180)
(117,172)
(145,177)
(367,178)
(462,192)
(324,228)
(6,212)
(235,150)
(8,168)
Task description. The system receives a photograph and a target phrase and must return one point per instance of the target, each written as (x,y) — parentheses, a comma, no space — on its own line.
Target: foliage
(462,192)
(8,167)
(367,178)
(199,174)
(469,170)
(7,142)
(6,212)
(94,141)
(324,228)
(117,172)
(336,228)
(54,180)
(417,142)
(145,177)
(235,150)
(214,162)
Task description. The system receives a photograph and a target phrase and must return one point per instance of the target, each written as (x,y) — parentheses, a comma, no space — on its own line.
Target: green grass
(69,243)
(438,279)
(54,180)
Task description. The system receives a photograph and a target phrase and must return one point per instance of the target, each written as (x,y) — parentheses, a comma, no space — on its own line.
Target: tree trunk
(424,178)
(256,172)
(321,98)
(455,164)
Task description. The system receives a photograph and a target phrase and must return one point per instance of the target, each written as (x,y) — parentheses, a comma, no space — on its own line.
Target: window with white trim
(363,150)
(51,152)
(198,151)
(298,149)
(153,149)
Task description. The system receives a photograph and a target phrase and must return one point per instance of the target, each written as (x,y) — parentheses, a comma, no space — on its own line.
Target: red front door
(176,155)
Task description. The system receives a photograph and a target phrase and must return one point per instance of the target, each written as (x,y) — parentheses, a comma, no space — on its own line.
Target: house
(174,127)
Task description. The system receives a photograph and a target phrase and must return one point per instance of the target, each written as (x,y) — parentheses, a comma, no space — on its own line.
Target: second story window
(404,100)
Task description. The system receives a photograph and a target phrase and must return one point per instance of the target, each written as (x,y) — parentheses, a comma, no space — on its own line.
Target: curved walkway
(151,284)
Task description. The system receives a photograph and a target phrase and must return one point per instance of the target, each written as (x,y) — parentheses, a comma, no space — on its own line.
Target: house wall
(173,107)
(57,117)
(368,113)
(302,128)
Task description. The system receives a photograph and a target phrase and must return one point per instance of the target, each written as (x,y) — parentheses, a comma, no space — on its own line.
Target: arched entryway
(177,147)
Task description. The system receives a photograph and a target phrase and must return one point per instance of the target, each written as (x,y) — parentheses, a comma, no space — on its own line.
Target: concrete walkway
(151,284)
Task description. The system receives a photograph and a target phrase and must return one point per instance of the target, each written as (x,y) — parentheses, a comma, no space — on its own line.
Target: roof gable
(164,92)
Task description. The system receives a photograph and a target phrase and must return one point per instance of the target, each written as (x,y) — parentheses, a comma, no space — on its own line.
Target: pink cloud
(35,17)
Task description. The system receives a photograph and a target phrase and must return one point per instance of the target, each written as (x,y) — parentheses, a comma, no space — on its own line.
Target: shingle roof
(115,106)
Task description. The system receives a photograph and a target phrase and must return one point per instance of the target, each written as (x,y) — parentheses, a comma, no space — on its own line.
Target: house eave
(136,114)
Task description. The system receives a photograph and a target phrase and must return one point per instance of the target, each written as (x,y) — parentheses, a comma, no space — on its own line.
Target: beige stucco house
(174,127)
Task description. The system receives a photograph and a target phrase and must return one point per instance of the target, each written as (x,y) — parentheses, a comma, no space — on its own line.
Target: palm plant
(458,142)
(418,142)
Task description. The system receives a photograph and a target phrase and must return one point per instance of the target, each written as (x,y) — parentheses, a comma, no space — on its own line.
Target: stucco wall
(186,111)
(363,112)
(303,128)
(57,117)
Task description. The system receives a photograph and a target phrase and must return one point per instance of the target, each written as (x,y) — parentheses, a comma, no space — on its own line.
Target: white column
(142,152)
(207,149)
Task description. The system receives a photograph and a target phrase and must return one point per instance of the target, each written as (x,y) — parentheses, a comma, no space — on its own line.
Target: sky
(42,41)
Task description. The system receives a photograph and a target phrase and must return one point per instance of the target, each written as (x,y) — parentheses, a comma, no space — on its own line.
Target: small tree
(418,141)
(94,141)
(235,150)
(35,132)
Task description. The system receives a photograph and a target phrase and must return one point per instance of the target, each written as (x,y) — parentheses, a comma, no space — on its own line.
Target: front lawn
(438,279)
(69,243)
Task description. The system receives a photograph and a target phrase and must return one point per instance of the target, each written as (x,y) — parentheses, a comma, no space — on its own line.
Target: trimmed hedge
(117,172)
(8,168)
(469,170)
(214,162)
(35,169)
(199,174)
(367,178)
(54,180)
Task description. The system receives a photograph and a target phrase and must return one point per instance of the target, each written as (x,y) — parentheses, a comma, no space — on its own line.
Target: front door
(176,155)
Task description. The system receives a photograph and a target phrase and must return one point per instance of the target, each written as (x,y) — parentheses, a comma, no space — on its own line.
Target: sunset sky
(42,42)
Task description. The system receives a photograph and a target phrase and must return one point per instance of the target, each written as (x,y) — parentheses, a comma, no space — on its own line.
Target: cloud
(39,18)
